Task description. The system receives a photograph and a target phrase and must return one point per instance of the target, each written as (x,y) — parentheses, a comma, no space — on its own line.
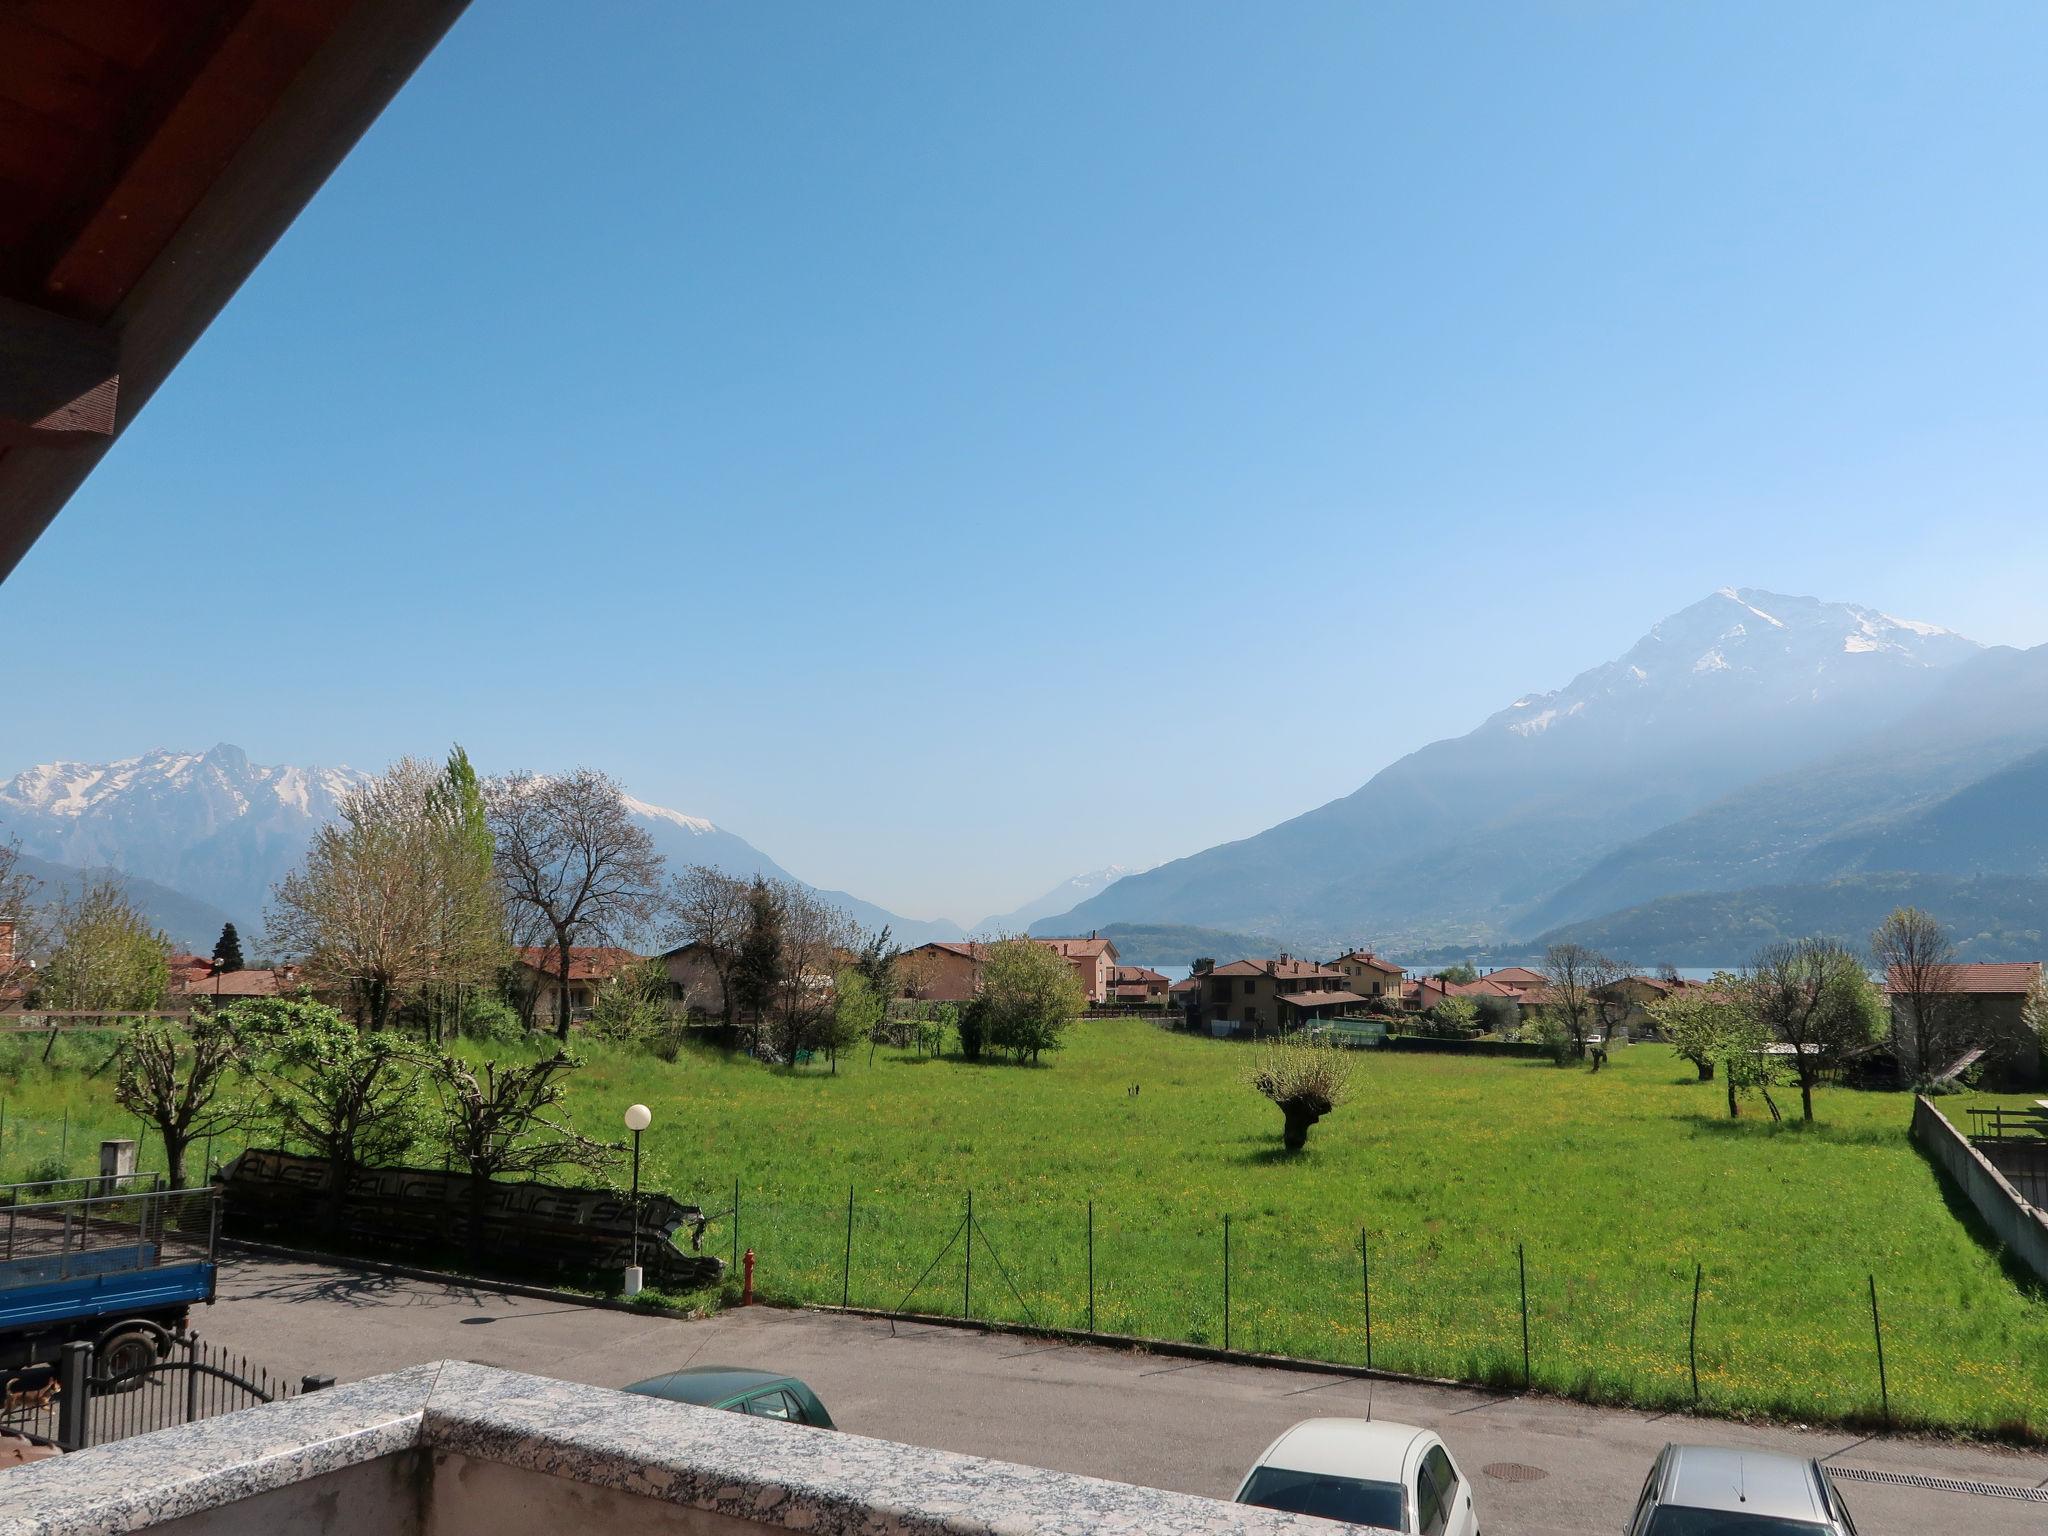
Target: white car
(1366,1471)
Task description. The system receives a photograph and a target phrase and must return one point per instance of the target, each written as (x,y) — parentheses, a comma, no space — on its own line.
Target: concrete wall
(468,1497)
(2017,1224)
(384,1497)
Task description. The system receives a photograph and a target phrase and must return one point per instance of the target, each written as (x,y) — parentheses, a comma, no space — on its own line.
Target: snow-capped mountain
(224,830)
(1063,897)
(211,824)
(1467,836)
(1744,648)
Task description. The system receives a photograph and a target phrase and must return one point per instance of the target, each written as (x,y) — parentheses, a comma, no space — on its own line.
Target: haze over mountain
(211,833)
(1061,898)
(1750,739)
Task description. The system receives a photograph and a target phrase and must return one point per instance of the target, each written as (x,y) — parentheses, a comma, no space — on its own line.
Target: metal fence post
(735,1222)
(74,1396)
(1365,1281)
(1692,1338)
(1091,1266)
(1226,1280)
(967,1274)
(1522,1267)
(1877,1328)
(846,1273)
(191,1377)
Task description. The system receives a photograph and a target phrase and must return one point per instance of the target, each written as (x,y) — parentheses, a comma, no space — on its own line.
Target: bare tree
(1573,980)
(394,896)
(817,942)
(709,908)
(1917,962)
(569,851)
(1813,996)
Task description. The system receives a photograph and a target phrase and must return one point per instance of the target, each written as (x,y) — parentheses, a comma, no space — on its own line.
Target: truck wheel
(126,1348)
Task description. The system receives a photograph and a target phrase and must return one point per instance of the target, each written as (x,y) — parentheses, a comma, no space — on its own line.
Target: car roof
(708,1385)
(1758,1482)
(1368,1448)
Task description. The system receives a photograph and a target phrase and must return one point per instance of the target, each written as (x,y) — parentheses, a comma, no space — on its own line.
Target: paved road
(1136,1418)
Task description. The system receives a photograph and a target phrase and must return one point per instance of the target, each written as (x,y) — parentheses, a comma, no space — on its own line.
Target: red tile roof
(1516,976)
(1128,974)
(596,962)
(1288,969)
(2001,979)
(1078,949)
(1322,999)
(1368,958)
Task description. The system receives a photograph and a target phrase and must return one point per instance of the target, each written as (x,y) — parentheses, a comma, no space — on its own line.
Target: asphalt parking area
(1541,1467)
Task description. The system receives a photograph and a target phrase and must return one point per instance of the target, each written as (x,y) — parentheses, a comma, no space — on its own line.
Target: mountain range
(202,837)
(1774,760)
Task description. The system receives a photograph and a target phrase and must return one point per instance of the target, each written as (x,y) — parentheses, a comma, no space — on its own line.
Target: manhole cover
(1513,1472)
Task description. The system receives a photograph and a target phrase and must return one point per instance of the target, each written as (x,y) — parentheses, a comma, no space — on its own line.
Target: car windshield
(1673,1521)
(1333,1498)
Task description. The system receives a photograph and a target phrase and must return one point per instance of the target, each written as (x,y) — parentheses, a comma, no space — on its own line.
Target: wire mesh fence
(1261,1282)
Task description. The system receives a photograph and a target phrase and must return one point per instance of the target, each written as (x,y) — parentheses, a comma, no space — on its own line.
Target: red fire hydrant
(747,1285)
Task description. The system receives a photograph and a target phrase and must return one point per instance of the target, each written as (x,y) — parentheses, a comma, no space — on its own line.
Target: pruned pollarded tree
(570,854)
(1815,997)
(185,1080)
(709,908)
(1304,1078)
(1574,977)
(1916,958)
(1697,1022)
(392,898)
(508,1122)
(103,954)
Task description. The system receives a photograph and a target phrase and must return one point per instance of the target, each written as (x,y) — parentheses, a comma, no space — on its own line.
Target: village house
(1368,975)
(950,971)
(1268,996)
(1993,998)
(1137,984)
(590,967)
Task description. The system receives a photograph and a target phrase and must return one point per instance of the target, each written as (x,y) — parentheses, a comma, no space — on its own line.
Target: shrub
(972,1027)
(1498,1016)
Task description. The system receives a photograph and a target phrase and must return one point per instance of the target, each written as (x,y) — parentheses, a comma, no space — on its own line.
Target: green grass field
(1616,1185)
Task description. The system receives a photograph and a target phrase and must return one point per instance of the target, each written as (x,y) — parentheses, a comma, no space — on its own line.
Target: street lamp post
(638,1118)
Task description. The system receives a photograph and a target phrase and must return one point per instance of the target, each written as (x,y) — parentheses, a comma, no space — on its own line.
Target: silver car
(1711,1490)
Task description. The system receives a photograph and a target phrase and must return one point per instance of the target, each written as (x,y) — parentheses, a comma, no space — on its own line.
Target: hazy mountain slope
(1179,947)
(190,924)
(1992,917)
(1998,825)
(1838,816)
(1060,899)
(1463,836)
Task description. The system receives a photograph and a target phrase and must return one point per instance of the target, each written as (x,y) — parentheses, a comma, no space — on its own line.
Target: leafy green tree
(1814,996)
(105,956)
(1305,1079)
(876,961)
(392,900)
(227,949)
(1031,996)
(353,1095)
(185,1080)
(1457,975)
(508,1121)
(1498,1015)
(1698,1022)
(971,1027)
(858,1013)
(633,1007)
(1455,1017)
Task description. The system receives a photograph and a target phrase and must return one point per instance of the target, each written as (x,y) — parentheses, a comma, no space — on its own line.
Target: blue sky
(956,446)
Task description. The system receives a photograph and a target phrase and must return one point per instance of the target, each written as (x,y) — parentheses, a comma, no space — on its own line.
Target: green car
(763,1394)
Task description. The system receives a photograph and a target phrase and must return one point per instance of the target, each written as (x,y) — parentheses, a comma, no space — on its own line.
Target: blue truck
(112,1263)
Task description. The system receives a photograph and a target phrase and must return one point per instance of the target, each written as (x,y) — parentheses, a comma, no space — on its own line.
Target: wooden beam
(61,381)
(327,107)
